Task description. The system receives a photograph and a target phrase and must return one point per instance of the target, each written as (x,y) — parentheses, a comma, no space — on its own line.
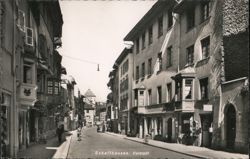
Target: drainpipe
(14,111)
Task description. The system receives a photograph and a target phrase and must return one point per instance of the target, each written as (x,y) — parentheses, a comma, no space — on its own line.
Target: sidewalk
(200,152)
(52,149)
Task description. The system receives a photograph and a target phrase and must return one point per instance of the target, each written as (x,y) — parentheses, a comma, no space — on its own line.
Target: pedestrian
(59,132)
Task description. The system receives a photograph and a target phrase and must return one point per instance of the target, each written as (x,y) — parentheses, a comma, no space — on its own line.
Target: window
(56,88)
(27,72)
(137,46)
(169,56)
(159,95)
(169,92)
(149,96)
(29,36)
(160,61)
(143,70)
(143,41)
(160,26)
(50,86)
(204,88)
(188,89)
(190,18)
(205,43)
(137,73)
(150,35)
(205,10)
(170,18)
(150,66)
(41,83)
(190,55)
(21,20)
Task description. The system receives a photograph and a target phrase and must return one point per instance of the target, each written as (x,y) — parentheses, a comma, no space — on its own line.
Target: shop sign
(207,107)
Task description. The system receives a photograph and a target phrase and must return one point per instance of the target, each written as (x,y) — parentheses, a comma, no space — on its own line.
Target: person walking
(59,132)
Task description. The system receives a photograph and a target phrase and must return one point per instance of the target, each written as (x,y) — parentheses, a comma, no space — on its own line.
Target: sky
(93,33)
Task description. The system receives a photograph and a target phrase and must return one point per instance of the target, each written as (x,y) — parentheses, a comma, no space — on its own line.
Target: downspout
(15,110)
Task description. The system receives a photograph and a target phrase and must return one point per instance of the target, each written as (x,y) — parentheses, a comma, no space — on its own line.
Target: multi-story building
(155,57)
(23,25)
(190,74)
(198,78)
(112,106)
(124,64)
(231,118)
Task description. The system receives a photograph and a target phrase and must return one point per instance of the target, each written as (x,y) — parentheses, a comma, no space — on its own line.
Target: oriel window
(188,88)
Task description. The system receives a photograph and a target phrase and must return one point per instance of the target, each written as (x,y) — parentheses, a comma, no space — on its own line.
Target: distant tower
(90,97)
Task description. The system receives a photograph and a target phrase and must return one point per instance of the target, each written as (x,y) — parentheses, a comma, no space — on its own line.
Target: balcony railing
(28,94)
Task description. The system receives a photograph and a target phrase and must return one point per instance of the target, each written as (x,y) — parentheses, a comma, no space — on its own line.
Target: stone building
(124,64)
(155,62)
(231,118)
(22,23)
(112,106)
(190,73)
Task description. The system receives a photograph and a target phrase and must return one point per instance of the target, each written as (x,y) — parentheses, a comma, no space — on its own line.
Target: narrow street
(102,145)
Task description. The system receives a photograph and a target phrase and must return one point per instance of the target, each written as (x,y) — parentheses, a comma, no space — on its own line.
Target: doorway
(170,130)
(230,126)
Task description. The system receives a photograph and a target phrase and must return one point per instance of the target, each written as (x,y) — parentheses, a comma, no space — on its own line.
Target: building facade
(155,61)
(190,74)
(22,23)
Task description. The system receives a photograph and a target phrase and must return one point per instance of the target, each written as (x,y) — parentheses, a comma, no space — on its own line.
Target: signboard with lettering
(208,107)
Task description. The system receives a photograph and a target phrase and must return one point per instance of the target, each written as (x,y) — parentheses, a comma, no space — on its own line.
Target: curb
(188,154)
(62,151)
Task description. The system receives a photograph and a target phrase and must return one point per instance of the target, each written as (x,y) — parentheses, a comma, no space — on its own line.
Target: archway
(169,130)
(230,126)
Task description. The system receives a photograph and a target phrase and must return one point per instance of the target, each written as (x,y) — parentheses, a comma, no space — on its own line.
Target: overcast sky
(93,32)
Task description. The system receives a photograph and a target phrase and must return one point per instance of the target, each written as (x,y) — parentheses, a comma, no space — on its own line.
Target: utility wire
(78,59)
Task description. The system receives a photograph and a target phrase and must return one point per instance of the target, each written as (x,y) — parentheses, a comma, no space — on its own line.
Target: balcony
(168,106)
(28,94)
(184,105)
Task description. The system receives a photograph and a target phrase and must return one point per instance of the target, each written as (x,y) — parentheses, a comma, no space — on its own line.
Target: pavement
(195,151)
(52,149)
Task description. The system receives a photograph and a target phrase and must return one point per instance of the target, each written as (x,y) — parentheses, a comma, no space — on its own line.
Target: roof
(156,10)
(89,93)
(121,57)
